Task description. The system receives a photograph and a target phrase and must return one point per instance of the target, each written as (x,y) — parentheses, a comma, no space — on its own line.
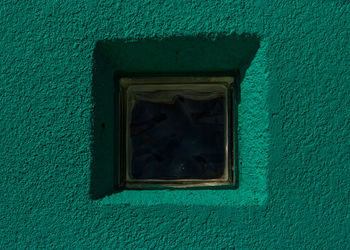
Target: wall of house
(56,125)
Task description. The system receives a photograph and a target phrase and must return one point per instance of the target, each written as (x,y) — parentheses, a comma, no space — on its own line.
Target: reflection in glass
(179,139)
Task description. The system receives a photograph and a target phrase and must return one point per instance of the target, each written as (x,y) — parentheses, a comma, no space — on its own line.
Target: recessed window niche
(187,56)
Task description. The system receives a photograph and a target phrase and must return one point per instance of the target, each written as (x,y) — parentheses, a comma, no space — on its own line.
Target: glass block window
(175,132)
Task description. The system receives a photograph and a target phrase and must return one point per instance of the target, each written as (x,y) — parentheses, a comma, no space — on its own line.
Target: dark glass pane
(181,139)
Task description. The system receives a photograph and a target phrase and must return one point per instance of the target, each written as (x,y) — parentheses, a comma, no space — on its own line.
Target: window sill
(246,195)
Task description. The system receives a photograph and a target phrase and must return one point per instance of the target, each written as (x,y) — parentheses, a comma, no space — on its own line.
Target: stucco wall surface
(293,125)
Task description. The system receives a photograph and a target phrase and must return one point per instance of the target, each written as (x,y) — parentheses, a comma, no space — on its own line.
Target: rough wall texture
(293,124)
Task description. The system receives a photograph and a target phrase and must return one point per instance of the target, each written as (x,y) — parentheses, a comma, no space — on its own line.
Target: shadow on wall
(176,55)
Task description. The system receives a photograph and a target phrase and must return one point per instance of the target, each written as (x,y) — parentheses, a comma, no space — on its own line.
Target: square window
(175,132)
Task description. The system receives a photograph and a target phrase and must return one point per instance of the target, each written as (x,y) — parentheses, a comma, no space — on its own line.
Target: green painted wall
(56,89)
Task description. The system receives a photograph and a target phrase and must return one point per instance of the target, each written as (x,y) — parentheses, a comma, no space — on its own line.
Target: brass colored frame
(127,86)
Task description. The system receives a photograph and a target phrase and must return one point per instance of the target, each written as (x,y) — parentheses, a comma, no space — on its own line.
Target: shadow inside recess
(200,55)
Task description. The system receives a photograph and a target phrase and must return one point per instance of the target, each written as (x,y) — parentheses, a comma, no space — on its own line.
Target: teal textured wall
(293,123)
